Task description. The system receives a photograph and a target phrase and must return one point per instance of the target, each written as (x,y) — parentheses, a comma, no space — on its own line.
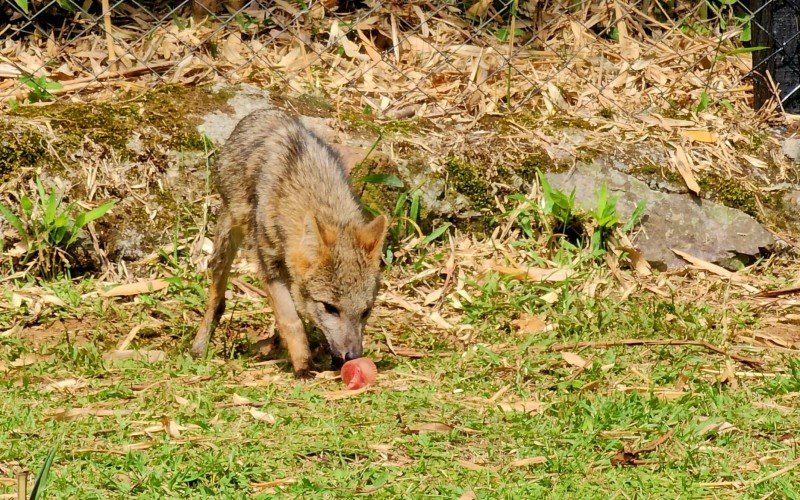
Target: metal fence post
(776,25)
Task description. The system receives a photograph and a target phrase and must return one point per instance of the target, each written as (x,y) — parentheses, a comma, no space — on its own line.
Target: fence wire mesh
(421,58)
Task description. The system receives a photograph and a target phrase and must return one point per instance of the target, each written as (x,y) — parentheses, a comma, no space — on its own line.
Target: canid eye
(366,313)
(331,309)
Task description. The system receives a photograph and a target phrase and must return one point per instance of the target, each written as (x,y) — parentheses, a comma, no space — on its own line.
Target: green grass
(365,444)
(489,408)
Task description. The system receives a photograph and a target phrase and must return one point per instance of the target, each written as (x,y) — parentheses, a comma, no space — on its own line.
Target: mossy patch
(171,113)
(176,111)
(311,105)
(784,215)
(21,146)
(403,127)
(771,209)
(534,119)
(754,144)
(383,127)
(374,196)
(162,122)
(539,160)
(570,122)
(606,113)
(468,180)
(730,193)
(648,170)
(106,124)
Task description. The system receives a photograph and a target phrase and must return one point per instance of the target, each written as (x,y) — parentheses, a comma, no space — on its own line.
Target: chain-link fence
(460,59)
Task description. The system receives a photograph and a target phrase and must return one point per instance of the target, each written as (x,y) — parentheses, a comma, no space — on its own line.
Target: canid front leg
(226,242)
(290,328)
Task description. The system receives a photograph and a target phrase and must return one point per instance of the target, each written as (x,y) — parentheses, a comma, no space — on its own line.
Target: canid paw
(199,345)
(303,374)
(197,351)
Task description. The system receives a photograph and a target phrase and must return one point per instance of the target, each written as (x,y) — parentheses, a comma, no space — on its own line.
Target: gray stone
(567,147)
(702,228)
(791,148)
(219,124)
(127,243)
(134,143)
(321,126)
(792,198)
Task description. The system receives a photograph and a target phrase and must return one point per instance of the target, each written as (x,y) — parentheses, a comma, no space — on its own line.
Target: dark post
(776,25)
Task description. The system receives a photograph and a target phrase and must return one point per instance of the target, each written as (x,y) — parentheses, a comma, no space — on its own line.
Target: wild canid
(287,191)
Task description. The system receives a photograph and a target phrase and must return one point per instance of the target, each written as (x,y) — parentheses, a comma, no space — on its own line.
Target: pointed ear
(314,243)
(371,235)
(324,234)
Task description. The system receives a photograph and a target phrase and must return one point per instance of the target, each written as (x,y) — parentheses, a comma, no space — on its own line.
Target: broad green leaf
(61,220)
(50,209)
(40,190)
(636,216)
(27,205)
(742,50)
(57,235)
(747,32)
(414,214)
(727,104)
(385,179)
(12,219)
(87,217)
(401,202)
(704,99)
(435,233)
(596,242)
(92,215)
(67,5)
(41,478)
(389,257)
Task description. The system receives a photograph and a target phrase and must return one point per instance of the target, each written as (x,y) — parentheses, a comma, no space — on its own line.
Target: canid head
(336,274)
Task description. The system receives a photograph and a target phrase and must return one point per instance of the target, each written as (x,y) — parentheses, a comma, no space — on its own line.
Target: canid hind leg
(226,243)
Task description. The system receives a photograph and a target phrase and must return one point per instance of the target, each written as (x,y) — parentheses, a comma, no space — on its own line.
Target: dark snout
(339,358)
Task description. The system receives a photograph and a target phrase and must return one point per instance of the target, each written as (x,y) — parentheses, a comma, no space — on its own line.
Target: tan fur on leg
(226,243)
(290,328)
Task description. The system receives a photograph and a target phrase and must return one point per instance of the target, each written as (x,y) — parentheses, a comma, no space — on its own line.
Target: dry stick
(247,287)
(775,474)
(448,278)
(778,293)
(125,342)
(79,83)
(700,343)
(22,483)
(107,27)
(87,81)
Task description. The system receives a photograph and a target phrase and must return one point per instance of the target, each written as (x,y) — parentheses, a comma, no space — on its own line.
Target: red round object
(358,373)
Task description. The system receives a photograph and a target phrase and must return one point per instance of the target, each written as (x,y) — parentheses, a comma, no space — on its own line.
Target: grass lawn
(494,407)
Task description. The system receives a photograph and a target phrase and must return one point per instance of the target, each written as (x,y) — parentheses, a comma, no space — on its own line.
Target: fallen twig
(699,343)
(248,288)
(743,485)
(631,457)
(778,293)
(107,27)
(88,81)
(773,475)
(125,342)
(715,269)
